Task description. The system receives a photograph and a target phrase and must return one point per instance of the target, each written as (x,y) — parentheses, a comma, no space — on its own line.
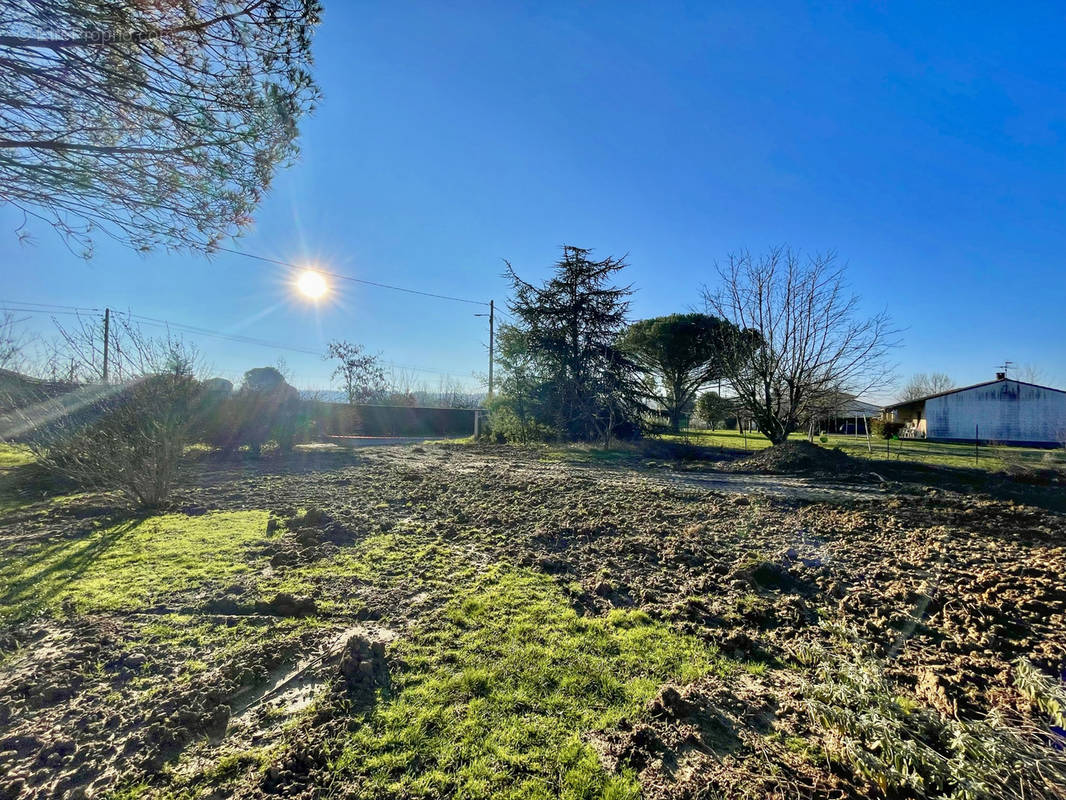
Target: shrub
(265,409)
(130,440)
(507,422)
(885,428)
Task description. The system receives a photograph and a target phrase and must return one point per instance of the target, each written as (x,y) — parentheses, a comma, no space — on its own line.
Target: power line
(240,339)
(45,306)
(199,331)
(40,311)
(344,277)
(183,328)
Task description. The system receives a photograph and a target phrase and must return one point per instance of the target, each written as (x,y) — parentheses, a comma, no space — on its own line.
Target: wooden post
(107,330)
(976,445)
(492,337)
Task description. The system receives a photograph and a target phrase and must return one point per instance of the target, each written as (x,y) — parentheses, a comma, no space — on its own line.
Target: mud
(949,589)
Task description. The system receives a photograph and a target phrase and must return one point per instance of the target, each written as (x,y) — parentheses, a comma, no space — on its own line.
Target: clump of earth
(797,458)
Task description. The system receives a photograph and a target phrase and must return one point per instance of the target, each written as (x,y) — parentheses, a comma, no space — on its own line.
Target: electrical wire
(342,276)
(197,331)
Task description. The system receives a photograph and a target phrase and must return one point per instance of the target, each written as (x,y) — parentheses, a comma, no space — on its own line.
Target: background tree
(680,354)
(923,385)
(12,342)
(801,339)
(262,380)
(713,409)
(361,374)
(160,123)
(519,408)
(569,329)
(1032,373)
(267,408)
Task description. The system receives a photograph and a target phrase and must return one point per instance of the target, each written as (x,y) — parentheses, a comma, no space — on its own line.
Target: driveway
(381,441)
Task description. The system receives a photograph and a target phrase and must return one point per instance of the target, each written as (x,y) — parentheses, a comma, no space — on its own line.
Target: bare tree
(158,123)
(361,373)
(12,342)
(801,336)
(451,394)
(922,384)
(1032,373)
(131,351)
(402,388)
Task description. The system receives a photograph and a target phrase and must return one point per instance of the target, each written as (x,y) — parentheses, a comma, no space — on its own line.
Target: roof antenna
(1004,368)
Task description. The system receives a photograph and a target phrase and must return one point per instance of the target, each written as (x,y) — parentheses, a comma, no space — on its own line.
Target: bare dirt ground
(259,679)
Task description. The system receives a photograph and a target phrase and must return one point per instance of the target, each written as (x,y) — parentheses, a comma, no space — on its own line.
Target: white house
(1003,411)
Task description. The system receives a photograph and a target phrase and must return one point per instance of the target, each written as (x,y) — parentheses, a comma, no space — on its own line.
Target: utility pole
(492,339)
(107,337)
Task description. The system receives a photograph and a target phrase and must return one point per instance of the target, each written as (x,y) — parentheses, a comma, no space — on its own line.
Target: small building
(843,414)
(1002,411)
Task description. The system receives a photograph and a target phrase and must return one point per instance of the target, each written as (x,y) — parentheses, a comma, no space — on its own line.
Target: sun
(312,284)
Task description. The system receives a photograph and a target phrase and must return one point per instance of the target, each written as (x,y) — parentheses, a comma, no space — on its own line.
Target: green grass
(992,458)
(725,439)
(132,565)
(494,699)
(13,455)
(945,454)
(12,459)
(589,453)
(385,559)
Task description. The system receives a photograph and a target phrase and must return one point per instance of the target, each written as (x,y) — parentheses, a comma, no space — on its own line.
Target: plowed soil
(251,682)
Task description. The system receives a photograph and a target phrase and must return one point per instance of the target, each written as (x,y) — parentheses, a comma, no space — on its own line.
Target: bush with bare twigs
(129,440)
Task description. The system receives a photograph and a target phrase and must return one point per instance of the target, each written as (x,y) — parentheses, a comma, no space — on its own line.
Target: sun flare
(312,284)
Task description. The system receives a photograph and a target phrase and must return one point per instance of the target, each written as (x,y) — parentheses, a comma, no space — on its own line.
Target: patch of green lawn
(944,454)
(13,455)
(14,459)
(725,439)
(493,699)
(387,560)
(132,565)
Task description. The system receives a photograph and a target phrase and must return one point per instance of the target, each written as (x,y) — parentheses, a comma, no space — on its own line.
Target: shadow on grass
(44,575)
(30,483)
(997,485)
(1030,487)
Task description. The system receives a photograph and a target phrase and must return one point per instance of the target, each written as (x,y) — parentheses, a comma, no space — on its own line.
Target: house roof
(844,405)
(967,388)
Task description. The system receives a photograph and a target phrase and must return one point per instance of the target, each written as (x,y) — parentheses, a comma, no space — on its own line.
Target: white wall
(1005,411)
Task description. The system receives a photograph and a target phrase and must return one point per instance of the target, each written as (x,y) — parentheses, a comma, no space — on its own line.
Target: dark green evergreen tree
(586,387)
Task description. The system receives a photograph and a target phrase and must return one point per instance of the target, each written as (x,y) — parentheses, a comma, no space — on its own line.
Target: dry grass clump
(904,748)
(1041,691)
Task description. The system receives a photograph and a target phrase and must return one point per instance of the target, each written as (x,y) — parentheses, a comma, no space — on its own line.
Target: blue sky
(926,143)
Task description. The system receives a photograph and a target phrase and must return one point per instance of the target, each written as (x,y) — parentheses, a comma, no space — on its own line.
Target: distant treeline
(223,418)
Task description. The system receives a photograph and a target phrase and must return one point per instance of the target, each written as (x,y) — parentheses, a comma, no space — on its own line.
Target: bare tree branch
(802,339)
